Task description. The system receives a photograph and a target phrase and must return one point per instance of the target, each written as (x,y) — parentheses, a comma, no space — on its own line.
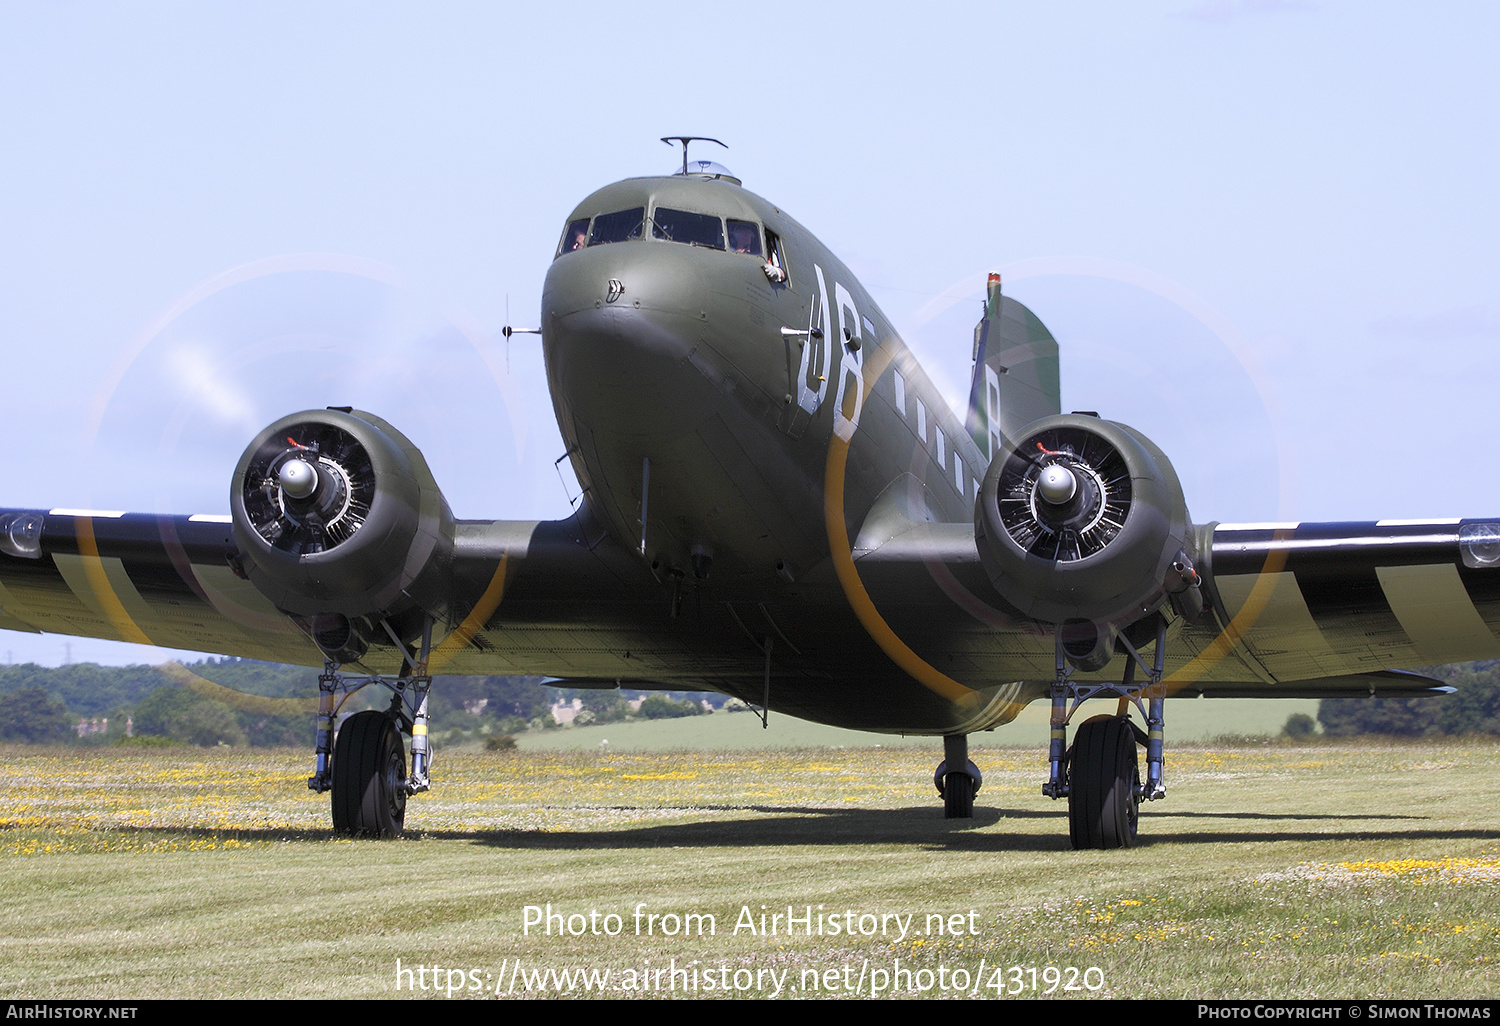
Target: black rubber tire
(1103,785)
(369,777)
(958,796)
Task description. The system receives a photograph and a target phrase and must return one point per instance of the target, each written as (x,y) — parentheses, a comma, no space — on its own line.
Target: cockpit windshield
(744,237)
(669,225)
(620,226)
(685,226)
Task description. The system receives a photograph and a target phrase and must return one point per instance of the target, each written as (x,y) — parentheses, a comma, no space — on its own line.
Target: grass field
(1272,870)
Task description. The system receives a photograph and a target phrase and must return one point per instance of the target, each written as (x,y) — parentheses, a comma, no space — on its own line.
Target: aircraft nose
(619,326)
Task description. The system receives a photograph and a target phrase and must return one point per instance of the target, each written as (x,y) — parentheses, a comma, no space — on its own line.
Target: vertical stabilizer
(1015,372)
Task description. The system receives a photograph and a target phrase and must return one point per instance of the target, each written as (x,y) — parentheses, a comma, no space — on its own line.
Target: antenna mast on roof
(685,139)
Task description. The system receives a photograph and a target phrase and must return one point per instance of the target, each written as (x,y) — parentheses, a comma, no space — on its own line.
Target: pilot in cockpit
(744,237)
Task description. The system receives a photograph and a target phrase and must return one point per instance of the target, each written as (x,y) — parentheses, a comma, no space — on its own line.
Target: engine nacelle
(1081,522)
(340,523)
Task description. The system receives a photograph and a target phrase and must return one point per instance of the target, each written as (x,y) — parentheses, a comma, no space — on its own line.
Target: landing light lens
(21,535)
(1479,544)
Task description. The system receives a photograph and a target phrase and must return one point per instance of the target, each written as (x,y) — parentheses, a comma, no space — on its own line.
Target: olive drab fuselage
(704,386)
(692,332)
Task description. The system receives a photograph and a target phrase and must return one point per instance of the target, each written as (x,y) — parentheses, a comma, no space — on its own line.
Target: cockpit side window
(575,236)
(621,226)
(744,237)
(685,226)
(775,260)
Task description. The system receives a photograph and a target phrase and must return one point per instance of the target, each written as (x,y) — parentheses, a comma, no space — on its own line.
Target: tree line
(244,702)
(1473,709)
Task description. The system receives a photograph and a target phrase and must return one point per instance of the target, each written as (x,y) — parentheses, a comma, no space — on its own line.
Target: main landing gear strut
(1099,775)
(365,767)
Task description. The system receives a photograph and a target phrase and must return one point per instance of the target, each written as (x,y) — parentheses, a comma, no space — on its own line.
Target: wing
(174,582)
(550,598)
(1306,601)
(155,580)
(1292,610)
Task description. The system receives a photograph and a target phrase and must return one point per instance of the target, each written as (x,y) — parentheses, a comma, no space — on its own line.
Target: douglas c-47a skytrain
(779,506)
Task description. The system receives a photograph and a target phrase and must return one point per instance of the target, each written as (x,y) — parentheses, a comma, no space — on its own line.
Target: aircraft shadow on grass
(773,826)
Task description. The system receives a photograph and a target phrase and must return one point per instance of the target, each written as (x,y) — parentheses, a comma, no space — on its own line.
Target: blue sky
(1263,232)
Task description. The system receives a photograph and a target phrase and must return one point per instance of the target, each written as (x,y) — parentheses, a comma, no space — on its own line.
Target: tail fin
(1015,372)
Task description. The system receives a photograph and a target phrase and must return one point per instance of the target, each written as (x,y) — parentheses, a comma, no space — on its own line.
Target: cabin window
(684,226)
(900,393)
(620,226)
(575,236)
(744,237)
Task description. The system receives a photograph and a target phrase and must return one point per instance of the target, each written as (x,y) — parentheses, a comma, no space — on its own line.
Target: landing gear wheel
(958,788)
(958,796)
(369,777)
(1103,784)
